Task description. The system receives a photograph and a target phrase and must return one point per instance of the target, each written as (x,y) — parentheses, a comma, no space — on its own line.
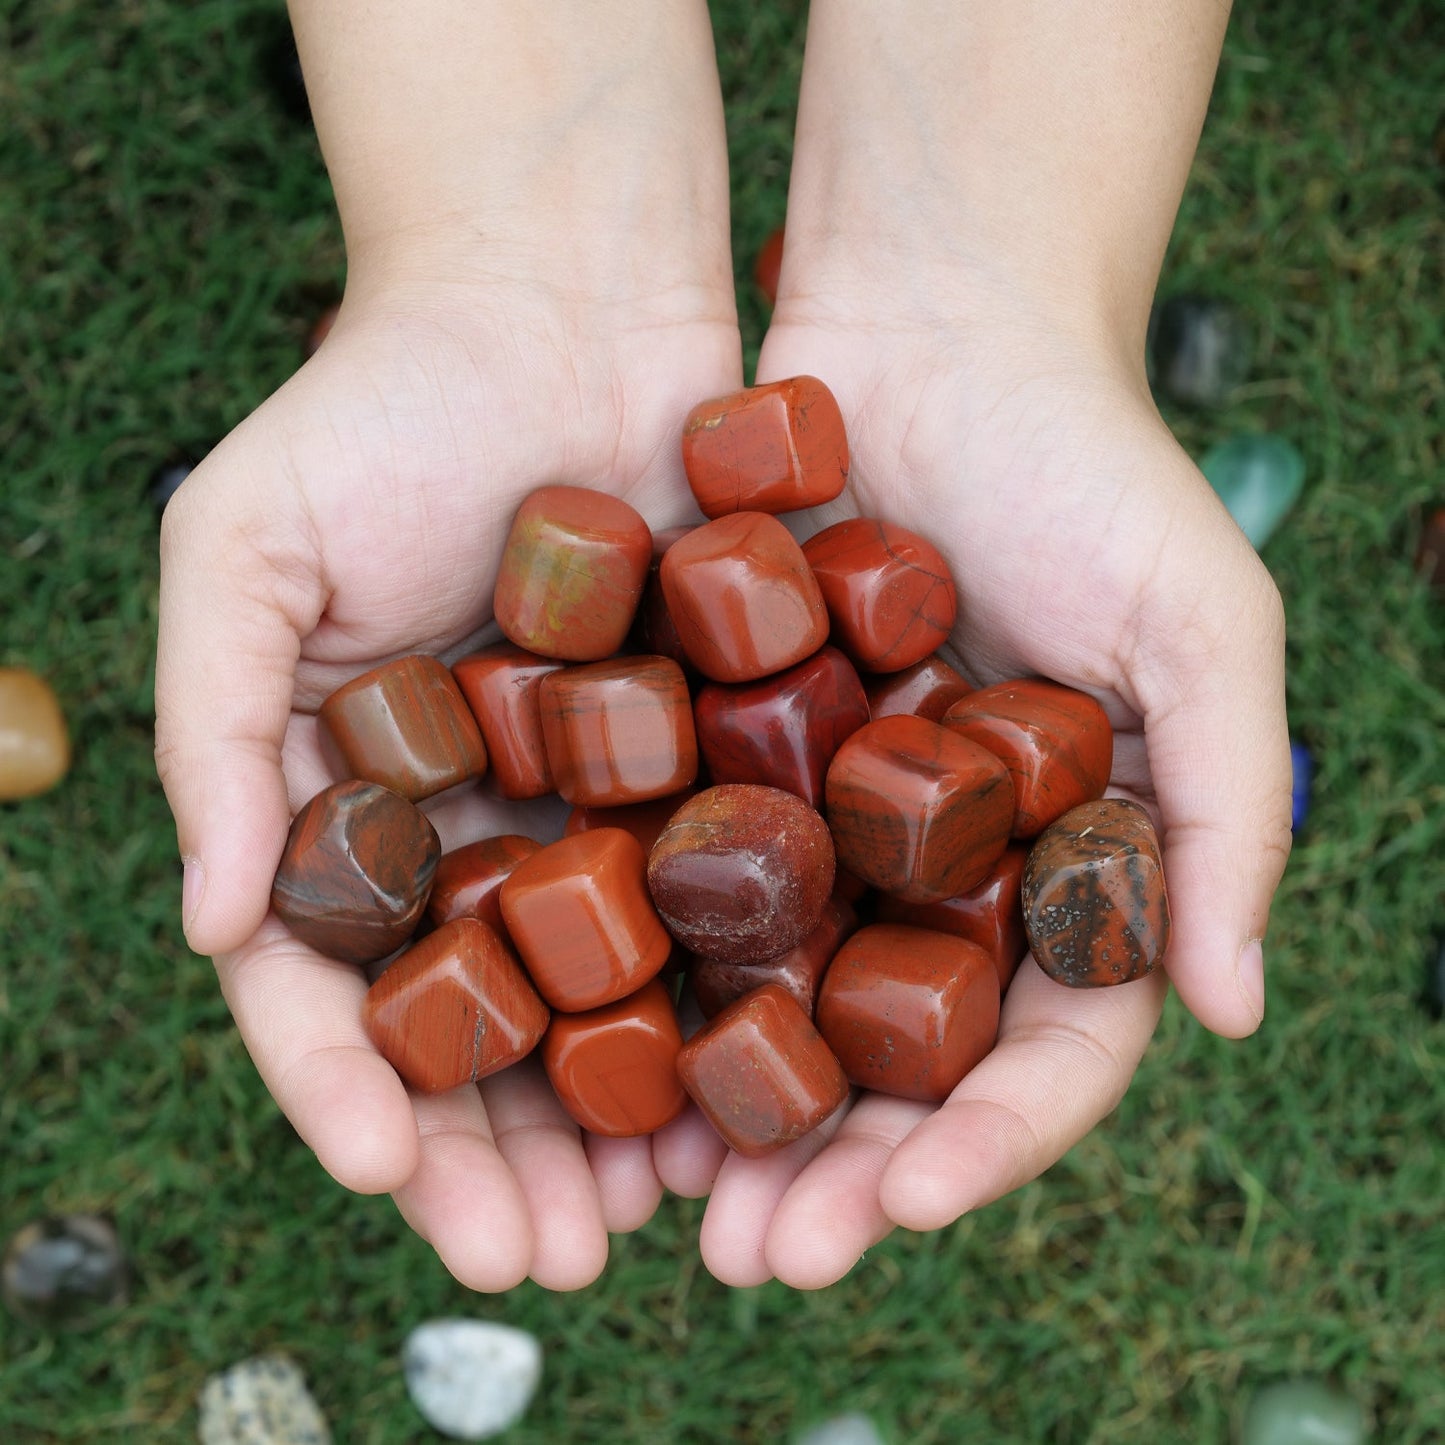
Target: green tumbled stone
(1303,1412)
(1258,478)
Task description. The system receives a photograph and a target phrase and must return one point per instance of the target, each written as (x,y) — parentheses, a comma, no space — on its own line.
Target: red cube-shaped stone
(453,1008)
(581,917)
(888,592)
(501,685)
(406,726)
(743,598)
(774,448)
(761,1073)
(927,689)
(614,1068)
(572,573)
(619,731)
(1055,741)
(469,879)
(645,821)
(908,1011)
(784,729)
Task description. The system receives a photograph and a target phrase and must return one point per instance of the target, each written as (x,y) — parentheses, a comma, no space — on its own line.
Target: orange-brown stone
(501,685)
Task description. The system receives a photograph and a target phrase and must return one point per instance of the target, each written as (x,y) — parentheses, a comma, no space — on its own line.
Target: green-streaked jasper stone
(572,573)
(1258,478)
(1303,1412)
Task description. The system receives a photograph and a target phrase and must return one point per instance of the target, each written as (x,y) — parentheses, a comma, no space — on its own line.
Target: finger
(627,1183)
(463,1199)
(238,590)
(300,1017)
(688,1154)
(735,1225)
(1063,1061)
(1218,740)
(543,1148)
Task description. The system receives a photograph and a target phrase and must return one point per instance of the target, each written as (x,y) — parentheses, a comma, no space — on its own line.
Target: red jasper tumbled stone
(619,731)
(406,726)
(916,810)
(469,879)
(1055,741)
(774,448)
(572,573)
(653,631)
(1094,901)
(580,916)
(743,598)
(614,1068)
(768,268)
(453,1008)
(356,871)
(784,729)
(888,592)
(927,689)
(742,872)
(645,821)
(907,1011)
(800,970)
(989,914)
(501,685)
(761,1073)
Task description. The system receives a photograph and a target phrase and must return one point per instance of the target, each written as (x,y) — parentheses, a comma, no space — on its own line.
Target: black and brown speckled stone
(356,871)
(1093,895)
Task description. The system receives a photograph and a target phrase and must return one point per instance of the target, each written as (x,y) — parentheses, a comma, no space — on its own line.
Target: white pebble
(852,1429)
(471,1379)
(261,1402)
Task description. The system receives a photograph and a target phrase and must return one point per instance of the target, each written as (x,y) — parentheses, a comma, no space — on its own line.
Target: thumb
(236,596)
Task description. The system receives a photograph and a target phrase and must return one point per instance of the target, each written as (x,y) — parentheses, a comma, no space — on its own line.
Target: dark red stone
(454,1008)
(743,598)
(800,970)
(888,592)
(356,871)
(916,810)
(783,730)
(614,1068)
(1430,558)
(742,872)
(1055,741)
(653,630)
(774,448)
(469,879)
(1093,896)
(761,1073)
(768,268)
(501,684)
(645,821)
(990,914)
(908,1011)
(927,689)
(572,573)
(406,726)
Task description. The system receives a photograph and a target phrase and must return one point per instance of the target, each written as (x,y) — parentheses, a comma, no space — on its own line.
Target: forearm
(980,149)
(580,146)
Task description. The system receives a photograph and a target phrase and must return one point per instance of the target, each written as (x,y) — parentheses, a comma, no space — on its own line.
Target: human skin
(980,201)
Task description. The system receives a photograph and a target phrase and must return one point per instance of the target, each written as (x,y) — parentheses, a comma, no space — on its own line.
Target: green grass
(1252,1210)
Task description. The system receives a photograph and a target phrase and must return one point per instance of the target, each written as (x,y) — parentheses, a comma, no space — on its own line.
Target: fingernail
(1249,977)
(193,887)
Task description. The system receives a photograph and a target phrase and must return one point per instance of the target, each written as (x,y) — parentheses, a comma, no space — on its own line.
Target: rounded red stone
(888,592)
(469,879)
(406,726)
(1055,741)
(742,872)
(742,597)
(990,914)
(500,684)
(768,268)
(761,1073)
(1094,901)
(927,689)
(645,821)
(580,916)
(453,1008)
(784,729)
(572,573)
(800,970)
(916,810)
(356,871)
(614,1068)
(907,1011)
(774,448)
(619,731)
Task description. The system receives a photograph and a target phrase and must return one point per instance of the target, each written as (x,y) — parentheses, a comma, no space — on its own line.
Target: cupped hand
(1087,549)
(357,516)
